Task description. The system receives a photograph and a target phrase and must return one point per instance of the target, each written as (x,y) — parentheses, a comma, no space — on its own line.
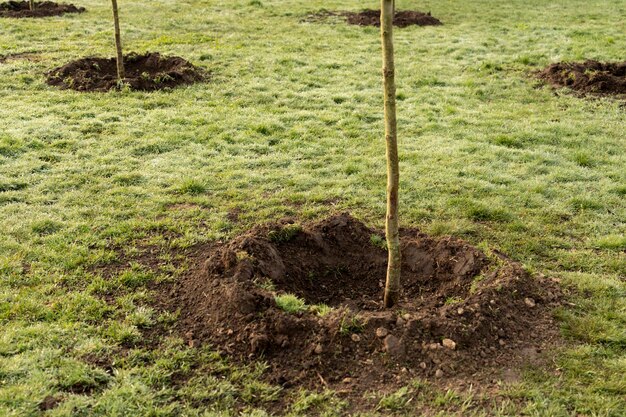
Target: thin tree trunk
(392,287)
(118,43)
(31,4)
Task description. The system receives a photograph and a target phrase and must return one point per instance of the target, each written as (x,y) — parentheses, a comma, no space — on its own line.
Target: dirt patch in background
(589,77)
(147,72)
(21,9)
(464,315)
(26,56)
(402,18)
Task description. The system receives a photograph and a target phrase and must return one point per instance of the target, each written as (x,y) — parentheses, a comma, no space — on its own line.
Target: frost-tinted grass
(291,124)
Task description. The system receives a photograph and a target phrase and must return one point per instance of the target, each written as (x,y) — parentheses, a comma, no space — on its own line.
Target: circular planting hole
(368,17)
(147,72)
(21,9)
(589,77)
(308,300)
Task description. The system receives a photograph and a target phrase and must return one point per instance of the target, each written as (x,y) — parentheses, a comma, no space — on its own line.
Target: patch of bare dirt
(49,403)
(368,17)
(27,56)
(144,72)
(21,9)
(588,77)
(463,315)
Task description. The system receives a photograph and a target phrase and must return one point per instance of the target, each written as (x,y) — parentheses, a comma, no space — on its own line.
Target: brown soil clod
(588,77)
(21,9)
(147,72)
(462,313)
(368,17)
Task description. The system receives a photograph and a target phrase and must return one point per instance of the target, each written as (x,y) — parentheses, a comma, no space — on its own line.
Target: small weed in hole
(321,309)
(290,303)
(350,325)
(378,241)
(285,234)
(265,284)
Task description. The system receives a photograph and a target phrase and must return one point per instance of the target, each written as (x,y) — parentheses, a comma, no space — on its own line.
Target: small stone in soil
(449,343)
(393,346)
(529,302)
(355,338)
(438,373)
(381,332)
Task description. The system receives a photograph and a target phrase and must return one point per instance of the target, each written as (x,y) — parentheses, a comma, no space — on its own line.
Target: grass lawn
(291,124)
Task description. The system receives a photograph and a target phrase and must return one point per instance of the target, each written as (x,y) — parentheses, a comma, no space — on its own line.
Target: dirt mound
(589,77)
(462,312)
(147,72)
(20,9)
(368,17)
(402,18)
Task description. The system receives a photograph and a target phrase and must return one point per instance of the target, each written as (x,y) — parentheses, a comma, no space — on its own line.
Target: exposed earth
(588,77)
(464,315)
(20,9)
(147,72)
(368,17)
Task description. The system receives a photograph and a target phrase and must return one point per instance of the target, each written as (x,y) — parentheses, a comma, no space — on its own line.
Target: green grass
(291,121)
(285,234)
(290,303)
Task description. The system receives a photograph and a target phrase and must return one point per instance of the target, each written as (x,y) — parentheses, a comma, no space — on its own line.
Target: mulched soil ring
(147,72)
(463,314)
(21,9)
(368,17)
(589,77)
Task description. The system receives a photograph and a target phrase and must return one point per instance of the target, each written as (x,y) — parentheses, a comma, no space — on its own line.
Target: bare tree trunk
(118,43)
(31,4)
(392,287)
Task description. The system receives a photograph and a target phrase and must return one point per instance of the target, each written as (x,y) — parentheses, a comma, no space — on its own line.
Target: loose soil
(368,17)
(589,77)
(21,9)
(463,315)
(147,72)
